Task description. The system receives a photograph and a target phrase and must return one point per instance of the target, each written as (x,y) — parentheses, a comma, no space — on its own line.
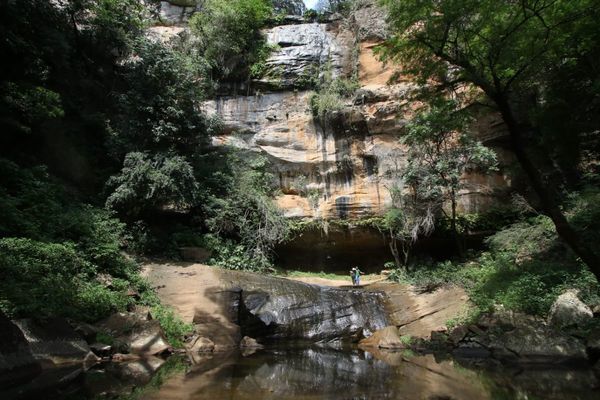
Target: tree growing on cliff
(441,151)
(405,222)
(507,49)
(228,37)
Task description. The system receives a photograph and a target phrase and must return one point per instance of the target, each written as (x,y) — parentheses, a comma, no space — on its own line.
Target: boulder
(278,308)
(17,363)
(55,342)
(202,345)
(386,338)
(250,343)
(86,331)
(536,342)
(568,310)
(140,335)
(457,334)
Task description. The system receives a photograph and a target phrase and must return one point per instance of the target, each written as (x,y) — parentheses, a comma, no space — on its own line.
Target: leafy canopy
(227,32)
(497,45)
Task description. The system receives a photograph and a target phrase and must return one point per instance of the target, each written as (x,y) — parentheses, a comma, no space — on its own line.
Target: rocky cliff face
(338,169)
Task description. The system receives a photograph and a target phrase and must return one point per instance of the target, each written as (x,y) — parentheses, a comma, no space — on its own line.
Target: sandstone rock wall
(341,168)
(338,169)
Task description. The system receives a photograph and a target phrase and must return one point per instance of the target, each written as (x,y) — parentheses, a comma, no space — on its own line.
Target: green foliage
(521,40)
(244,214)
(145,183)
(59,256)
(332,96)
(173,326)
(105,338)
(157,111)
(52,279)
(441,153)
(231,255)
(228,35)
(259,68)
(525,269)
(407,340)
(311,15)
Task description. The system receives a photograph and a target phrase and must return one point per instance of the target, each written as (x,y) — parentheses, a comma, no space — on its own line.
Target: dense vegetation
(102,140)
(105,154)
(523,60)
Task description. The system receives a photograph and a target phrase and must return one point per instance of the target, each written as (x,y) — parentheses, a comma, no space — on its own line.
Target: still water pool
(303,373)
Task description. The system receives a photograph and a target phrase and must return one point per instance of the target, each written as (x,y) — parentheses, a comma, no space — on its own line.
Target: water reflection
(318,373)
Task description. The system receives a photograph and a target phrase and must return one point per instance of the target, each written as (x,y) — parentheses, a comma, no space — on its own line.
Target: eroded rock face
(304,52)
(291,7)
(568,310)
(176,12)
(371,21)
(339,168)
(275,308)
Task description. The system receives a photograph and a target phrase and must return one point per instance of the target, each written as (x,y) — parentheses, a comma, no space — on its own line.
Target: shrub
(525,269)
(227,32)
(53,279)
(173,326)
(332,95)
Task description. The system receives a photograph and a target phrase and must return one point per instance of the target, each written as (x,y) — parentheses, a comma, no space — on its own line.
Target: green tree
(228,36)
(244,210)
(506,49)
(440,152)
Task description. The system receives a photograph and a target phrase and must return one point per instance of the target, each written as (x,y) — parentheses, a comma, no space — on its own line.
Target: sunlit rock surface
(339,168)
(292,7)
(227,305)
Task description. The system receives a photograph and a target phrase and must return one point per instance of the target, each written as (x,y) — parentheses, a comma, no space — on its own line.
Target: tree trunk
(395,253)
(453,228)
(545,195)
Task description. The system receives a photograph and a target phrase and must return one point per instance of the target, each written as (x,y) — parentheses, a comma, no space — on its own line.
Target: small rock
(568,310)
(250,343)
(119,357)
(476,330)
(457,334)
(101,349)
(438,337)
(202,345)
(386,338)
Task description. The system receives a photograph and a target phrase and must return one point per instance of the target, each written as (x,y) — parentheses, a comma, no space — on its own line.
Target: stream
(302,373)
